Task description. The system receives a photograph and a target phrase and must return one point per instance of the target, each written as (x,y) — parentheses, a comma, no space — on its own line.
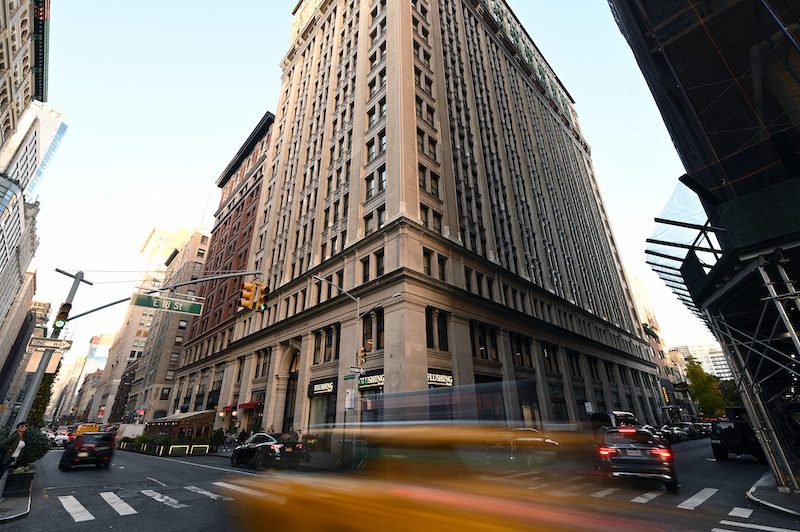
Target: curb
(21,514)
(751,494)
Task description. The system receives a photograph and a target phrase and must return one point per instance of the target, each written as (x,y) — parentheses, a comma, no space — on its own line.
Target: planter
(18,485)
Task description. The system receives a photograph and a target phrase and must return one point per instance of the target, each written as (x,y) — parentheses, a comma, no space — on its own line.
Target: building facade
(155,375)
(428,197)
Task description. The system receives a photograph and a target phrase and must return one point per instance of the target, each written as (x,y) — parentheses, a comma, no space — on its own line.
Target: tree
(730,393)
(704,389)
(36,415)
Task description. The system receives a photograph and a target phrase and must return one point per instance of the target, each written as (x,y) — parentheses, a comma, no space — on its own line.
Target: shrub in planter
(217,439)
(36,446)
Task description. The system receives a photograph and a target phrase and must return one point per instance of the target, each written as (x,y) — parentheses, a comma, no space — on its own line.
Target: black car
(735,435)
(93,448)
(637,453)
(263,450)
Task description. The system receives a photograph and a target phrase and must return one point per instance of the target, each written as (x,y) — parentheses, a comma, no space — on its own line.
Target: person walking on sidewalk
(12,446)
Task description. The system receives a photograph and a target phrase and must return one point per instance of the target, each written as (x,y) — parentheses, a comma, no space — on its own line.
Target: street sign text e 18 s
(169,304)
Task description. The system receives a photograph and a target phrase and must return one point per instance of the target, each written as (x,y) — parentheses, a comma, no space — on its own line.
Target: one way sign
(40,342)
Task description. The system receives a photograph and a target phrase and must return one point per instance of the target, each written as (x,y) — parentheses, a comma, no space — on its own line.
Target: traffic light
(261,300)
(362,356)
(249,291)
(63,314)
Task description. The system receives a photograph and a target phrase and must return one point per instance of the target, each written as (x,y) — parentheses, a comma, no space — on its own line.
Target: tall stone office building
(426,148)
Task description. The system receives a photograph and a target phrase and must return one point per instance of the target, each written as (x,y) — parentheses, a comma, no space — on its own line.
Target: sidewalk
(765,492)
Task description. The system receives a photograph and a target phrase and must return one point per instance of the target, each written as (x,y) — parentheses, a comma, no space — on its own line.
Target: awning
(229,408)
(251,406)
(178,417)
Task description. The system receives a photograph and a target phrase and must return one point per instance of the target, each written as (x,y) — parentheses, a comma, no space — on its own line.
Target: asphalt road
(141,492)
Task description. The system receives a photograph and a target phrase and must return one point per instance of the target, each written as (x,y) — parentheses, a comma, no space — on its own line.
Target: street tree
(704,389)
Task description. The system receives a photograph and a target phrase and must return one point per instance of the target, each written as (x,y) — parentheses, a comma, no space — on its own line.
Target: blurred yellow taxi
(412,478)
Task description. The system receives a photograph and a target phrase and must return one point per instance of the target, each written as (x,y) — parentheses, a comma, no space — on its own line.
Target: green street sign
(349,377)
(169,304)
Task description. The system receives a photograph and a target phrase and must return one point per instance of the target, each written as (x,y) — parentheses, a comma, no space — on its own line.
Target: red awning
(229,408)
(250,406)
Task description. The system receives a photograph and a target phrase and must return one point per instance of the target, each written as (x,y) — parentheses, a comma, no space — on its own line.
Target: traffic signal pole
(58,325)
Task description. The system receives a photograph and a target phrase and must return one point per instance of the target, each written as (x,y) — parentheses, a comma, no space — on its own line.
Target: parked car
(674,433)
(94,448)
(635,453)
(263,450)
(734,434)
(522,446)
(689,429)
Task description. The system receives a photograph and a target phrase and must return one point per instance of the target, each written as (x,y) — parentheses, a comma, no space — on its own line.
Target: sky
(158,96)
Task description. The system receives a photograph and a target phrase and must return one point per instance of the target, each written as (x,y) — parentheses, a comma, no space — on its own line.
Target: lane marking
(251,492)
(76,510)
(647,497)
(209,494)
(563,492)
(227,470)
(523,474)
(603,493)
(169,501)
(121,507)
(723,530)
(698,498)
(757,527)
(744,513)
(156,481)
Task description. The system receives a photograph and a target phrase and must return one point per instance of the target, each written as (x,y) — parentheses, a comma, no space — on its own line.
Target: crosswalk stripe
(209,494)
(569,489)
(698,498)
(75,509)
(234,487)
(603,493)
(523,474)
(647,497)
(169,501)
(113,500)
(723,530)
(757,527)
(744,513)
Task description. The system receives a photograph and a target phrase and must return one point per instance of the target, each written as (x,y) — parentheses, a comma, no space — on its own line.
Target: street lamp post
(357,343)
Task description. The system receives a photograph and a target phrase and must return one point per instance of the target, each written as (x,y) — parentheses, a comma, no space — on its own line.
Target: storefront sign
(322,387)
(370,381)
(440,378)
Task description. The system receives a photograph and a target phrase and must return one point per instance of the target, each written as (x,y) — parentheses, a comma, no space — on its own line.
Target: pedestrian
(230,439)
(12,446)
(242,437)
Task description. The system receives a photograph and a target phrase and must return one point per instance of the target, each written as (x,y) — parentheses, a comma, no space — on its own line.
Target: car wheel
(64,466)
(672,487)
(720,453)
(259,461)
(234,461)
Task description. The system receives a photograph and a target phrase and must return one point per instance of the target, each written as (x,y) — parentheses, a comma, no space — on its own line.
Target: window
(365,269)
(423,214)
(426,261)
(442,264)
(434,180)
(550,361)
(437,222)
(165,394)
(368,226)
(468,278)
(381,178)
(379,266)
(429,327)
(201,252)
(381,216)
(441,329)
(170,375)
(366,332)
(174,357)
(379,336)
(182,325)
(178,340)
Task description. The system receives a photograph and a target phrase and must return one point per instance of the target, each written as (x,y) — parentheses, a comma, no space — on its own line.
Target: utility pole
(58,325)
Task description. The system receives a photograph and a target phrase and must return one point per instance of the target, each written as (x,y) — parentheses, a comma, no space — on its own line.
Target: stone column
(623,400)
(566,378)
(301,406)
(463,367)
(405,359)
(510,395)
(542,391)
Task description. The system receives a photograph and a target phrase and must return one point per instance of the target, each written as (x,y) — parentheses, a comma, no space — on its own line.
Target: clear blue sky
(159,95)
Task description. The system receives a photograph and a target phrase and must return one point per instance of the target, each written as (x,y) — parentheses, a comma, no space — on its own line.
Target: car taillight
(627,430)
(663,453)
(299,445)
(607,451)
(276,446)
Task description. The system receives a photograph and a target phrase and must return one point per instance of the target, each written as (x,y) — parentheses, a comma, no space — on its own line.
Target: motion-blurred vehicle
(734,435)
(87,427)
(636,453)
(413,477)
(704,428)
(522,446)
(60,440)
(655,431)
(93,448)
(674,434)
(689,429)
(266,450)
(614,418)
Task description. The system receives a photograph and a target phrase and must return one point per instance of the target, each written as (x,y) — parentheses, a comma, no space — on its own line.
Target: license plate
(634,452)
(83,454)
(288,449)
